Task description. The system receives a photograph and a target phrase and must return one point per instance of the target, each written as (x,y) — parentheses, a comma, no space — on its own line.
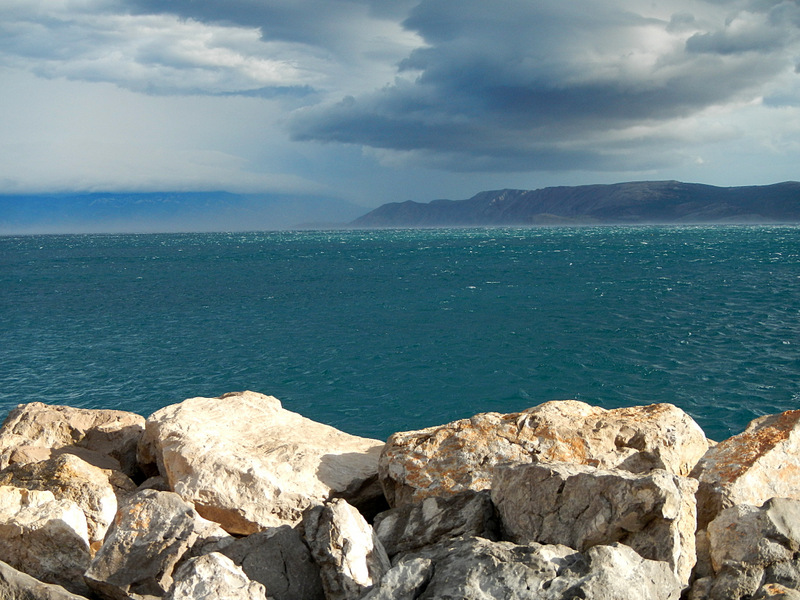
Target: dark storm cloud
(508,85)
(556,85)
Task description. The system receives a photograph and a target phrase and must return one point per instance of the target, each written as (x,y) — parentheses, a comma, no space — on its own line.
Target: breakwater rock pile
(237,498)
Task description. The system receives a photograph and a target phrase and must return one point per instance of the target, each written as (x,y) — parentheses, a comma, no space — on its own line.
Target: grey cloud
(535,85)
(313,22)
(154,54)
(749,32)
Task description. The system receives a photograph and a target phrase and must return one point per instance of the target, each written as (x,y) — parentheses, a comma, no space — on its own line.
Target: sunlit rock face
(105,438)
(581,507)
(463,454)
(248,464)
(760,463)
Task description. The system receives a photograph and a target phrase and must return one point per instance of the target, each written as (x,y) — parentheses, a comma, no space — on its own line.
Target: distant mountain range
(623,203)
(168,212)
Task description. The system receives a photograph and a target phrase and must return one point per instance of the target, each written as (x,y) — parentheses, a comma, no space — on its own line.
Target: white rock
(760,463)
(615,572)
(151,533)
(213,576)
(111,433)
(44,537)
(462,455)
(349,554)
(70,478)
(582,507)
(248,464)
(479,569)
(751,547)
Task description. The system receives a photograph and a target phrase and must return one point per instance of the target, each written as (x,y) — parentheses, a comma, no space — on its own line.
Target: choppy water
(380,331)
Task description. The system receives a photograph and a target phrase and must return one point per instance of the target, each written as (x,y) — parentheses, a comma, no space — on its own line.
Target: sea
(377,331)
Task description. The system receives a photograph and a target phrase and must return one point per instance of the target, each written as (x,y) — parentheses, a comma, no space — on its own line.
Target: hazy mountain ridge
(622,203)
(106,212)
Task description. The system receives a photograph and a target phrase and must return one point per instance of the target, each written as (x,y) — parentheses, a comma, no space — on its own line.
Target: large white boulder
(248,464)
(462,455)
(760,463)
(581,507)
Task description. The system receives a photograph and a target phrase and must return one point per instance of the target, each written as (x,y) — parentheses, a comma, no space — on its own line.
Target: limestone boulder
(475,568)
(44,537)
(248,464)
(279,559)
(581,507)
(404,581)
(70,478)
(751,547)
(151,533)
(212,577)
(760,463)
(350,556)
(434,519)
(615,572)
(462,455)
(16,585)
(106,438)
(480,569)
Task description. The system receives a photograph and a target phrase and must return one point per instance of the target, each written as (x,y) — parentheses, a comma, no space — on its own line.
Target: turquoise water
(380,331)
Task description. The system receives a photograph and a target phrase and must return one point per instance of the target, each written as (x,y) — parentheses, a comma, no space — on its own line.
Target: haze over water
(381,331)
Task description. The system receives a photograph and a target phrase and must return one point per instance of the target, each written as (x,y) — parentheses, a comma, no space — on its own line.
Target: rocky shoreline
(236,497)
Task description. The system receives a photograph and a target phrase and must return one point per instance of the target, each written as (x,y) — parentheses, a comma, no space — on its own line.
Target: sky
(375,101)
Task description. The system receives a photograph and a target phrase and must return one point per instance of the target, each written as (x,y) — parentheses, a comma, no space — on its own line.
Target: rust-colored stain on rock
(731,458)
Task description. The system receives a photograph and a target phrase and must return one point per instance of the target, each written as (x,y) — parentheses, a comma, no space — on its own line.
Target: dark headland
(622,203)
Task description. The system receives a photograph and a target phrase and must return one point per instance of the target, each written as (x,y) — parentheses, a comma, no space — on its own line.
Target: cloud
(202,47)
(150,53)
(547,85)
(387,99)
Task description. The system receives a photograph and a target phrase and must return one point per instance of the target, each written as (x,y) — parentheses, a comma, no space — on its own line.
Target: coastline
(564,496)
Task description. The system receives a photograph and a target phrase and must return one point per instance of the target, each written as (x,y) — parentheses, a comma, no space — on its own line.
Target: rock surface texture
(279,559)
(152,531)
(462,455)
(434,519)
(752,547)
(349,554)
(581,507)
(71,478)
(213,576)
(248,464)
(16,585)
(480,569)
(44,537)
(760,463)
(32,431)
